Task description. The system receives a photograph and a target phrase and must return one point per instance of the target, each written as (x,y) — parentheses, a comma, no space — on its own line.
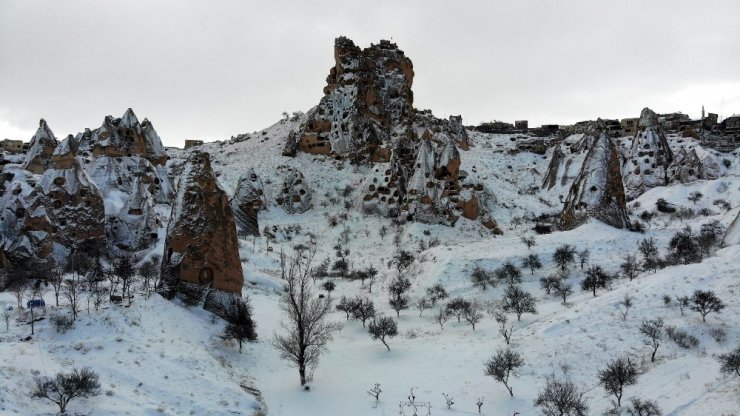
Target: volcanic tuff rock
(246,203)
(72,202)
(551,177)
(648,159)
(27,230)
(201,245)
(295,197)
(125,136)
(367,103)
(124,150)
(686,167)
(43,143)
(732,235)
(136,224)
(597,191)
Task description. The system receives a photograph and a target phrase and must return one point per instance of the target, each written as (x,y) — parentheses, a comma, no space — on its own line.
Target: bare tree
(532,262)
(505,332)
(441,317)
(563,290)
(472,315)
(7,313)
(307,328)
(502,365)
(529,242)
(705,302)
(643,407)
(624,306)
(518,301)
(630,267)
(423,304)
(66,386)
(71,290)
(56,279)
(561,398)
(653,332)
(583,257)
(618,374)
(730,362)
(383,327)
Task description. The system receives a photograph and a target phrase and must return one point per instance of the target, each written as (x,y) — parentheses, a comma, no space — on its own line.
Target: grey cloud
(212,69)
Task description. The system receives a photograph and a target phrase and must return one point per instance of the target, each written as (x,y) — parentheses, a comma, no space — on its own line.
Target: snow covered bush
(730,362)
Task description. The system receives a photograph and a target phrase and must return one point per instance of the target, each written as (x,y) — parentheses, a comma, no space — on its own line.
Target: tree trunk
(652,357)
(386,345)
(302,373)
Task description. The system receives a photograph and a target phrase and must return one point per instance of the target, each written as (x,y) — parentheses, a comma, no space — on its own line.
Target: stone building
(12,146)
(192,143)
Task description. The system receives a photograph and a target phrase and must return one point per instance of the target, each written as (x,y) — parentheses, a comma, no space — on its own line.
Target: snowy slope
(186,368)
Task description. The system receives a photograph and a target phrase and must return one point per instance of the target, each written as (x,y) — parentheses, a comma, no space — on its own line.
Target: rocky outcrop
(248,200)
(556,163)
(119,174)
(125,136)
(27,231)
(428,127)
(649,157)
(597,191)
(295,197)
(135,226)
(732,235)
(686,167)
(367,102)
(72,202)
(291,145)
(202,246)
(42,145)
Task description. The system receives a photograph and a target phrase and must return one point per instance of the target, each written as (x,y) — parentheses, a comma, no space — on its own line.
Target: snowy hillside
(160,357)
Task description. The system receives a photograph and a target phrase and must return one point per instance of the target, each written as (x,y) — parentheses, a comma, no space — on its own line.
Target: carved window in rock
(206,276)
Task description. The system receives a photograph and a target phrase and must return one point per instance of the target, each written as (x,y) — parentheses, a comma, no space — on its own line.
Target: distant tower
(702,111)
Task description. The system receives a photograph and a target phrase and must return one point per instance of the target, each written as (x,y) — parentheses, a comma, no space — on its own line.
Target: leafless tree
(653,332)
(71,290)
(66,386)
(307,329)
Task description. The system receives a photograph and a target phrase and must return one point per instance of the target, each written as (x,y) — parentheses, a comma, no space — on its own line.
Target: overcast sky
(212,69)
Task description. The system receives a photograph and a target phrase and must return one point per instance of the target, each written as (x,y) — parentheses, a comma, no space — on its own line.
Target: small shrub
(682,338)
(61,322)
(718,334)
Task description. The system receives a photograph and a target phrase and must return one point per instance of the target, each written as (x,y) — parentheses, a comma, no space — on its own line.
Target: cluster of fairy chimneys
(608,179)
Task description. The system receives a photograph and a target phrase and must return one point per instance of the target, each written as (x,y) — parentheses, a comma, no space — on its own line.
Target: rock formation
(246,203)
(648,158)
(42,145)
(27,230)
(732,235)
(597,191)
(295,197)
(686,167)
(72,202)
(367,102)
(556,162)
(135,226)
(125,149)
(202,246)
(125,136)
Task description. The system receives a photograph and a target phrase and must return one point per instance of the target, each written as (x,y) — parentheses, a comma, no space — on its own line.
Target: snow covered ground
(157,357)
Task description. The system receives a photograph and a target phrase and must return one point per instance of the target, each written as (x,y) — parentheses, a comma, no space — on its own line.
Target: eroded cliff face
(248,200)
(42,145)
(201,246)
(73,202)
(598,191)
(647,162)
